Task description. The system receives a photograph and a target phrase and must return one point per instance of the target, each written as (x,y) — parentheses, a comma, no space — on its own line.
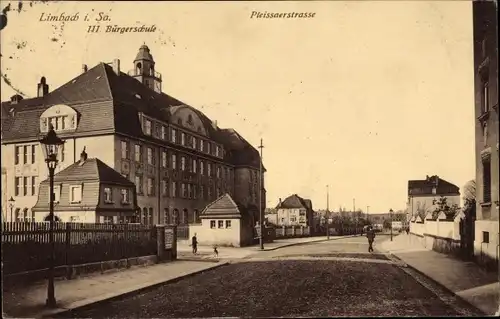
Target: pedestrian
(370,234)
(407,230)
(194,244)
(216,252)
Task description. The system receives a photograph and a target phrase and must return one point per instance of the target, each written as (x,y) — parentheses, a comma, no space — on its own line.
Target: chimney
(84,68)
(43,88)
(16,99)
(83,156)
(116,66)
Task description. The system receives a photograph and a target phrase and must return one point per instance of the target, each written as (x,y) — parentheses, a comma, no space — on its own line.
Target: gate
(467,237)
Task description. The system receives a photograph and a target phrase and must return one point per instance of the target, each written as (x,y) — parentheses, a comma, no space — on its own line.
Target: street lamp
(50,146)
(11,206)
(390,212)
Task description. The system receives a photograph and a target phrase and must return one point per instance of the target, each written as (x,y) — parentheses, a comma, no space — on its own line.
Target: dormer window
(217,150)
(61,117)
(193,142)
(125,196)
(108,195)
(183,139)
(147,127)
(173,137)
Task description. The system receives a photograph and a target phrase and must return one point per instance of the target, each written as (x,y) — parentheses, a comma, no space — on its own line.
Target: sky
(362,97)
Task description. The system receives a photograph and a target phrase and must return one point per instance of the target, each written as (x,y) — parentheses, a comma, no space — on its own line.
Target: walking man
(194,244)
(370,234)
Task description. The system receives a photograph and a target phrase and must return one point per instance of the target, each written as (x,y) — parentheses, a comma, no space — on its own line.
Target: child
(216,252)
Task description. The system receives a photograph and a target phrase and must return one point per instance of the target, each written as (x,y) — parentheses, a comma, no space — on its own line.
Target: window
(164,186)
(217,150)
(147,127)
(164,159)
(125,196)
(138,153)
(107,219)
(487,180)
(209,151)
(183,163)
(220,224)
(174,189)
(486,237)
(75,194)
(34,182)
(190,194)
(193,142)
(228,224)
(25,154)
(151,158)
(183,190)
(173,136)
(485,95)
(212,224)
(62,152)
(202,192)
(174,161)
(218,171)
(57,193)
(293,219)
(209,169)
(163,132)
(194,165)
(17,154)
(33,154)
(202,168)
(151,188)
(138,184)
(202,146)
(25,186)
(17,182)
(183,139)
(166,216)
(108,196)
(209,195)
(124,145)
(195,187)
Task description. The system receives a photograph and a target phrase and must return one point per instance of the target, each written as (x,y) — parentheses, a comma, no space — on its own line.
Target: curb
(62,313)
(307,242)
(440,285)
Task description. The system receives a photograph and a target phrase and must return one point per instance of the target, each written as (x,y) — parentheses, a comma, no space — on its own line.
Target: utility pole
(390,212)
(367,218)
(355,217)
(261,215)
(327,213)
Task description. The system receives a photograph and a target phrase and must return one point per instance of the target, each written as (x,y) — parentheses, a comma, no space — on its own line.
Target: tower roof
(144,54)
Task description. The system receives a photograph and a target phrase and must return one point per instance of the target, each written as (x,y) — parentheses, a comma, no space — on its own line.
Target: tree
(442,206)
(470,198)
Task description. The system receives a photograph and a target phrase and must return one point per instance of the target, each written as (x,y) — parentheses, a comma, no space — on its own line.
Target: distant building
(486,127)
(423,193)
(88,191)
(295,211)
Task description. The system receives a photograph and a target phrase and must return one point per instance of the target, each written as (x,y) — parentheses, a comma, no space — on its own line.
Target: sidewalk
(29,302)
(206,252)
(465,279)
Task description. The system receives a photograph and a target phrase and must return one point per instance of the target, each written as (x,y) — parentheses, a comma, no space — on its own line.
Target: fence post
(67,248)
(160,242)
(174,242)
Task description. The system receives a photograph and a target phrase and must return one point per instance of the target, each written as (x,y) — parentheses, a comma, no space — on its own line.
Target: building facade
(88,191)
(486,128)
(422,195)
(294,211)
(179,159)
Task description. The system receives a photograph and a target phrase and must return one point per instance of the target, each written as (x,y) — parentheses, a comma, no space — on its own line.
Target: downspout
(159,184)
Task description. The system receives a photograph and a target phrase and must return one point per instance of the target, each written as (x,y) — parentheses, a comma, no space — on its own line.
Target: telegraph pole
(261,215)
(327,213)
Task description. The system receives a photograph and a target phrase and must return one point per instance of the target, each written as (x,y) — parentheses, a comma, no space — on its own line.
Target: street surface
(334,278)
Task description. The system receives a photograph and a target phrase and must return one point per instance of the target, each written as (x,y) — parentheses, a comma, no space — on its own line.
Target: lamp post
(261,215)
(11,206)
(50,145)
(390,212)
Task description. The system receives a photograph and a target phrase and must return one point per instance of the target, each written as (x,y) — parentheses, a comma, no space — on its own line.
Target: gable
(185,117)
